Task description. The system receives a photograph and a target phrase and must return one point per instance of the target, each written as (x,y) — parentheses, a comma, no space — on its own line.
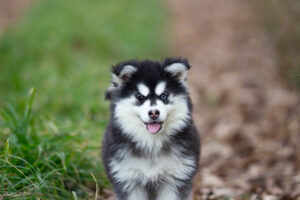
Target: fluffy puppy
(151,147)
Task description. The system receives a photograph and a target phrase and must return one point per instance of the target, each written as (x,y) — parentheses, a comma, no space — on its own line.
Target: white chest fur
(132,169)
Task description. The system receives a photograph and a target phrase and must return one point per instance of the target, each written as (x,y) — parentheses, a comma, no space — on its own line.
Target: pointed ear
(177,67)
(120,74)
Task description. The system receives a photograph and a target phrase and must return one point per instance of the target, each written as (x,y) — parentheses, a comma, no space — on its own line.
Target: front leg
(137,193)
(167,191)
(130,193)
(170,192)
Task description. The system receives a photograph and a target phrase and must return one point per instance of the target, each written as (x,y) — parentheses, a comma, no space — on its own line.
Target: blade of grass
(97,189)
(29,104)
(16,168)
(74,195)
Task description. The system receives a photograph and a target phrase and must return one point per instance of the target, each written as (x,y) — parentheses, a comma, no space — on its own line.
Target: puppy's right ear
(120,74)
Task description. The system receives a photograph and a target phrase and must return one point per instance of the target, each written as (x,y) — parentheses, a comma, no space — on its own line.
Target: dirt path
(249,122)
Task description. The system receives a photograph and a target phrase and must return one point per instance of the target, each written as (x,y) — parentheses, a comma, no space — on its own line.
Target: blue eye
(164,96)
(140,97)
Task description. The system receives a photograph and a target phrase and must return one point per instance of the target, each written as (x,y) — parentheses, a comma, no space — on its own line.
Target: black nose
(153,114)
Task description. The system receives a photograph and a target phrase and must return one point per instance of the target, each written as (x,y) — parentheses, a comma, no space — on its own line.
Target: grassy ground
(50,136)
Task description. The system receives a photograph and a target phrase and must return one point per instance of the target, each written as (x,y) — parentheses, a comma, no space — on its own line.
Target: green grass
(38,162)
(64,49)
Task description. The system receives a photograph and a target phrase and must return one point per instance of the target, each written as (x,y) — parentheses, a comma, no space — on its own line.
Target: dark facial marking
(115,84)
(140,98)
(153,101)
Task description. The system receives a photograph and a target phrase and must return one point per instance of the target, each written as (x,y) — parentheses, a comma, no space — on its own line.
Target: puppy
(151,147)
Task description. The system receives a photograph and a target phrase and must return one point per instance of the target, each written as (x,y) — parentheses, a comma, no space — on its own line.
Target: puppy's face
(152,105)
(150,98)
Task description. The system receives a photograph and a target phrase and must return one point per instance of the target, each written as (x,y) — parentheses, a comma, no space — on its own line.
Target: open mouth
(154,127)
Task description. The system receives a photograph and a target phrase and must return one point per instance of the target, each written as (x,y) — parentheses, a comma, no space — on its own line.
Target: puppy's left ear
(178,67)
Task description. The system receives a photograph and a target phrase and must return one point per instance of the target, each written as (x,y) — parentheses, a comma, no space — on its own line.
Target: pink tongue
(153,127)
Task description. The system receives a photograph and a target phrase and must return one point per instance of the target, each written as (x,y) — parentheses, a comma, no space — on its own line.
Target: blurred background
(55,59)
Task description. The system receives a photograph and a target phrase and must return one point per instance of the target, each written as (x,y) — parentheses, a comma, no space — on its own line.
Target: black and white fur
(157,165)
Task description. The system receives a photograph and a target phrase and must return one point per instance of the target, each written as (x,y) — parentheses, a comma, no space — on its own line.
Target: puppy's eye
(140,97)
(164,96)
